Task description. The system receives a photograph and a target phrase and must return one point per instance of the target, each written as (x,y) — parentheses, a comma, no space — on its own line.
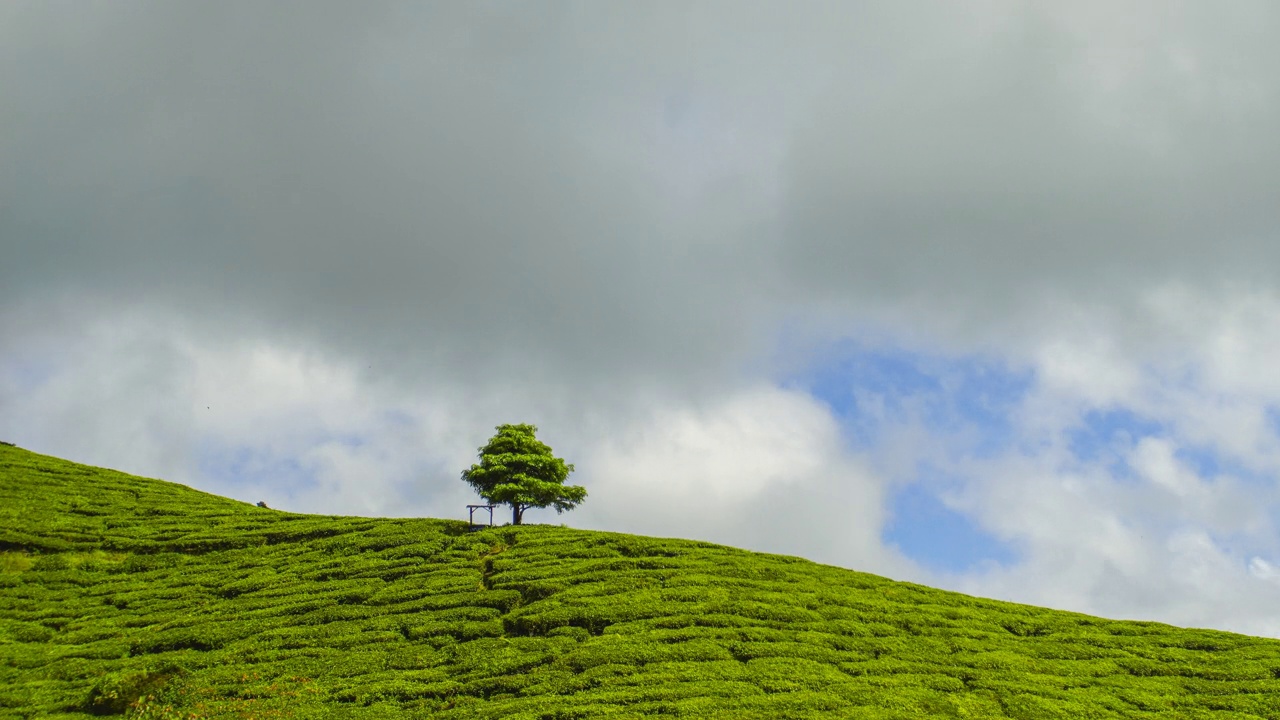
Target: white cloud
(1262,569)
(1090,370)
(723,455)
(1153,459)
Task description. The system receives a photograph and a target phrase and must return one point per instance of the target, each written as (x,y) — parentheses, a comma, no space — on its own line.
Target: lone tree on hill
(516,469)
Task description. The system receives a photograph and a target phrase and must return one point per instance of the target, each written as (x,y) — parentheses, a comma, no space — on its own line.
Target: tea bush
(144,598)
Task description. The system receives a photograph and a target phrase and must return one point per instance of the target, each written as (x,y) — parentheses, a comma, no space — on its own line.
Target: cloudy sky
(981,295)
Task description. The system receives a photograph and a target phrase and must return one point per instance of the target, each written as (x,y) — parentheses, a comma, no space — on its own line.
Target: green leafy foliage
(129,597)
(517,469)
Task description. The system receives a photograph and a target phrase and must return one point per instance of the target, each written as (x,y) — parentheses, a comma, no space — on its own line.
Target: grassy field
(144,598)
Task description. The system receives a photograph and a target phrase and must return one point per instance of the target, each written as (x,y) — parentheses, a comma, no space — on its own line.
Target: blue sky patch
(937,537)
(953,393)
(1106,435)
(241,465)
(1208,464)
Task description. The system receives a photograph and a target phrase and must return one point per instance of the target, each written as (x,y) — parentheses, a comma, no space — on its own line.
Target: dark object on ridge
(262,504)
(2,442)
(471,516)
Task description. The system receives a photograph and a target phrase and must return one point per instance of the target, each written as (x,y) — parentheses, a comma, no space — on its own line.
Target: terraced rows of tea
(139,597)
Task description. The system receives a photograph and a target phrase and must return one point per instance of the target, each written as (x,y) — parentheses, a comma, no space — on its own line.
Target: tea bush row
(128,595)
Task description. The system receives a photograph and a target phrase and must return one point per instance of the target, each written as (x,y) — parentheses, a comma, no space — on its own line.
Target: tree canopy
(517,469)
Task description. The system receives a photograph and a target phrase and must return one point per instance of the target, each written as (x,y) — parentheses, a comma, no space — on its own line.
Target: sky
(981,296)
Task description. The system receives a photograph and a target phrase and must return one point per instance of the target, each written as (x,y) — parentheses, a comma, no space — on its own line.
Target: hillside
(114,587)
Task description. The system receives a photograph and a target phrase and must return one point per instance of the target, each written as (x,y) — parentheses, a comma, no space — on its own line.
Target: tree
(517,469)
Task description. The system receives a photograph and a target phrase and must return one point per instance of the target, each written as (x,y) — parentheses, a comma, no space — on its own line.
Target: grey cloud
(475,184)
(459,185)
(1074,150)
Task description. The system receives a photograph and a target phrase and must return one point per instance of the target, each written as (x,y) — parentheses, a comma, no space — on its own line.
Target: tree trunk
(516,514)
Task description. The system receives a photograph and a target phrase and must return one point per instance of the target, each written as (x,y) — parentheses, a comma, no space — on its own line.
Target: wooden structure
(471,515)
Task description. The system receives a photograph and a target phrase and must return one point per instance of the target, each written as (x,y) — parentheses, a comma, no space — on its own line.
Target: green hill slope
(115,588)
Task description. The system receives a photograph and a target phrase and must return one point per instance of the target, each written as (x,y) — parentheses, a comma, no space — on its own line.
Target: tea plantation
(143,598)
